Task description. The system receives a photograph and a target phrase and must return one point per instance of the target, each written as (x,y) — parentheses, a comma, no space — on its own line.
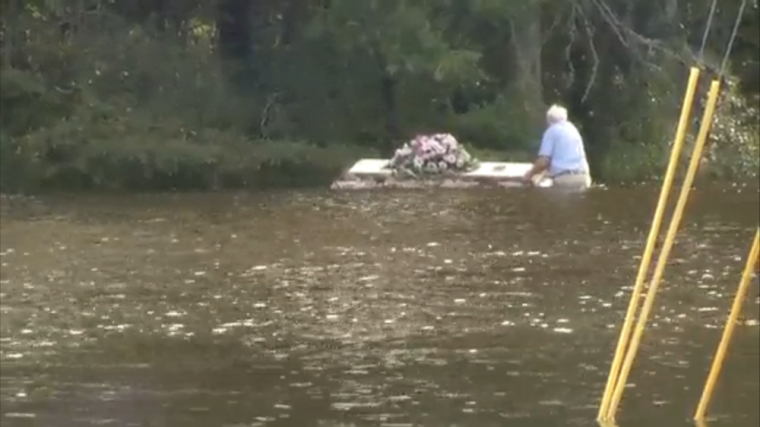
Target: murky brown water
(379,309)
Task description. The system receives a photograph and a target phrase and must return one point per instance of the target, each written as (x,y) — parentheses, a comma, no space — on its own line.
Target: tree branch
(594,54)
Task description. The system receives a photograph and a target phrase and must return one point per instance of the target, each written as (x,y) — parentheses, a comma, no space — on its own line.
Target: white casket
(377,173)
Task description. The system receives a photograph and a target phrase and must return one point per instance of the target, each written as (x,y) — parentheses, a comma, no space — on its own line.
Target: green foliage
(125,94)
(734,151)
(126,150)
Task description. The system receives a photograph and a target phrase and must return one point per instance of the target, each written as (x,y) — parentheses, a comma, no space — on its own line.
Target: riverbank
(186,165)
(123,154)
(28,167)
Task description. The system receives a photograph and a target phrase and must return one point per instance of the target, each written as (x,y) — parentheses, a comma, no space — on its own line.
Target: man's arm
(541,164)
(543,160)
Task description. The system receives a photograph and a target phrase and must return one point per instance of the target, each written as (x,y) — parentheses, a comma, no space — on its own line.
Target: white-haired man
(562,154)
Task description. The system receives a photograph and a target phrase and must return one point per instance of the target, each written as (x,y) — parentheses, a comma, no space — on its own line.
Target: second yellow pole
(728,331)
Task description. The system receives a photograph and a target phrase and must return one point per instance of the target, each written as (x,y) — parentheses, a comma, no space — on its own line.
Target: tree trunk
(526,43)
(10,18)
(234,30)
(291,13)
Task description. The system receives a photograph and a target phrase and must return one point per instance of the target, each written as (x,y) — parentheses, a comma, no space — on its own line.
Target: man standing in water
(562,154)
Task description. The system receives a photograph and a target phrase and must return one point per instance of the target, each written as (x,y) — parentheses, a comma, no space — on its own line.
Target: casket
(376,173)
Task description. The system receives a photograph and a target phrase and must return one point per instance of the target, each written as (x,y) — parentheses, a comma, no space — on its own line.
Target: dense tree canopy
(200,93)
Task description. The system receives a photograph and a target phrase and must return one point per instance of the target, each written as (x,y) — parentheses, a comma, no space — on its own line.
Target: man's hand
(528,177)
(539,166)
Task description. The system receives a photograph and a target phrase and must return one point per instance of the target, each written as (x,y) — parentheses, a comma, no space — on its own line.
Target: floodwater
(442,309)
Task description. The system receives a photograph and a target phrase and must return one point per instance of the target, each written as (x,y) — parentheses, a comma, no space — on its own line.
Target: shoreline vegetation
(197,95)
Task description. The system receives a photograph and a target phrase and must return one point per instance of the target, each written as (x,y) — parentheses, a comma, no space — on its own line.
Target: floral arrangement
(432,155)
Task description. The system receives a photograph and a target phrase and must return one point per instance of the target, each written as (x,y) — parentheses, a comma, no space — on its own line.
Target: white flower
(398,157)
(449,140)
(450,159)
(442,166)
(431,167)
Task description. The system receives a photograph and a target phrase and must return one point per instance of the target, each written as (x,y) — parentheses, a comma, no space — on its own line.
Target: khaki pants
(572,181)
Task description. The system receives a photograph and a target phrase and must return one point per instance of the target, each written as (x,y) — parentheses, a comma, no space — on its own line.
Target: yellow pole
(720,354)
(675,222)
(654,231)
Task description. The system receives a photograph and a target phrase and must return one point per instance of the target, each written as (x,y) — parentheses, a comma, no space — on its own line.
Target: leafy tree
(198,93)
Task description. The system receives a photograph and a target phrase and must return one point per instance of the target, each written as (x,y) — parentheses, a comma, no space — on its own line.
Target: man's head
(556,114)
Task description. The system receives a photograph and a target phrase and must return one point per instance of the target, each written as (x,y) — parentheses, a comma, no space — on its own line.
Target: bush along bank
(68,158)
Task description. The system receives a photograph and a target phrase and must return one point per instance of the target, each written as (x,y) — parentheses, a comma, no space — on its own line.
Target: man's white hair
(556,114)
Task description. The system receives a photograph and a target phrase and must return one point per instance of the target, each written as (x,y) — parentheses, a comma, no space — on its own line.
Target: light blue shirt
(563,145)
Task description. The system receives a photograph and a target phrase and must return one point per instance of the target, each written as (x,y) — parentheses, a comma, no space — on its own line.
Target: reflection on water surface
(379,308)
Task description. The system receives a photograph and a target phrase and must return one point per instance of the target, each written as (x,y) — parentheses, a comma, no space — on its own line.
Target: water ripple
(397,309)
